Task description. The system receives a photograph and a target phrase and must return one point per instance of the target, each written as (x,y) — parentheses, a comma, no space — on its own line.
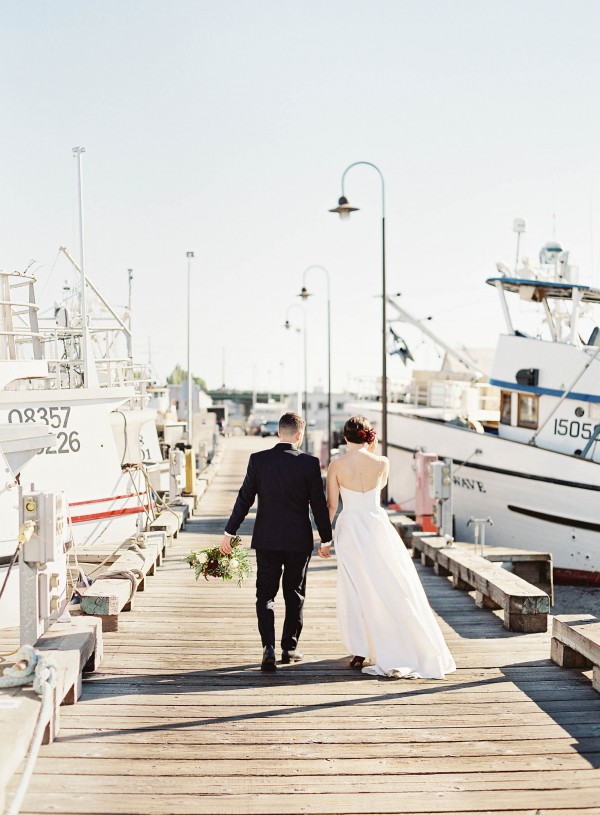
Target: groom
(287,483)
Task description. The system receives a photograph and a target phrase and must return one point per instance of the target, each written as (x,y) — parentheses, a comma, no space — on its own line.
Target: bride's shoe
(357,662)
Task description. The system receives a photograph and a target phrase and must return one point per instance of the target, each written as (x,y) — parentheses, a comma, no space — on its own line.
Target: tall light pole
(189,256)
(288,325)
(344,209)
(130,319)
(77,151)
(304,294)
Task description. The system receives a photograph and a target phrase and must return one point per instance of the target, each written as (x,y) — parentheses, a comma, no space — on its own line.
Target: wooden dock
(180,720)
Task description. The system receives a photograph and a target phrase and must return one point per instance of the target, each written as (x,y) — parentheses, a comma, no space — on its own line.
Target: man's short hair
(291,423)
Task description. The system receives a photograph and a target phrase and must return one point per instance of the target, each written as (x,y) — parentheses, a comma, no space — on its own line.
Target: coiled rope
(31,666)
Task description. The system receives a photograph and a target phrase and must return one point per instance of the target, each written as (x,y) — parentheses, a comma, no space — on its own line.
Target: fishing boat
(535,472)
(54,380)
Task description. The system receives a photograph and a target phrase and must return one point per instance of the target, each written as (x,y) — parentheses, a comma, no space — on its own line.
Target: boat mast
(77,151)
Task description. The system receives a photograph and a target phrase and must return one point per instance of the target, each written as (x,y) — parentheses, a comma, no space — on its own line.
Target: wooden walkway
(180,720)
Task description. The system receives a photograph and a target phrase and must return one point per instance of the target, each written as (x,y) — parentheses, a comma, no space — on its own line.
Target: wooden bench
(576,643)
(107,597)
(145,552)
(526,607)
(534,567)
(169,522)
(183,511)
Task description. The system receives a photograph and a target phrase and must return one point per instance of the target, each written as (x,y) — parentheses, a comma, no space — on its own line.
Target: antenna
(519,226)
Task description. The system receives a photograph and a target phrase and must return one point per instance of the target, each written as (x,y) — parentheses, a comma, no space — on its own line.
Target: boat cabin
(550,385)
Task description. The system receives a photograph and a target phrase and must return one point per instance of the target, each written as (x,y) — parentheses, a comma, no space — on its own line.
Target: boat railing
(473,399)
(20,336)
(61,348)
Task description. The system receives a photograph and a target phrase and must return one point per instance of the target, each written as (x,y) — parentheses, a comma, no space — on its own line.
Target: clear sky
(225,127)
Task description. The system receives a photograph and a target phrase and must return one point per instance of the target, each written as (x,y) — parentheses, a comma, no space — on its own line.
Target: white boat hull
(537,499)
(105,503)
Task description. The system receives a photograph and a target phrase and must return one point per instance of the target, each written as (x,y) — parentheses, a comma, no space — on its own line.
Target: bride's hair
(358,430)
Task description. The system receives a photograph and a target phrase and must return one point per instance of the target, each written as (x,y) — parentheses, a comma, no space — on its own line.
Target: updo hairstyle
(358,430)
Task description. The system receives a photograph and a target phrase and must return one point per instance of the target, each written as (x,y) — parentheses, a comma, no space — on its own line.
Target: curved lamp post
(344,209)
(288,325)
(305,294)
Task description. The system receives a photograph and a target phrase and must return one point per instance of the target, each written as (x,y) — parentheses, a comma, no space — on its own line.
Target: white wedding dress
(383,612)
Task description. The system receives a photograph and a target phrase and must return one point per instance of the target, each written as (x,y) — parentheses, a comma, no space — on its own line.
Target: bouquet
(211,563)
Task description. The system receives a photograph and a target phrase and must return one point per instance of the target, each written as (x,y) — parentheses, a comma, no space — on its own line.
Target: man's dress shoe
(291,656)
(268,659)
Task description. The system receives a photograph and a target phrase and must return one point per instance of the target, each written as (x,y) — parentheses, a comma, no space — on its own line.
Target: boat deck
(180,720)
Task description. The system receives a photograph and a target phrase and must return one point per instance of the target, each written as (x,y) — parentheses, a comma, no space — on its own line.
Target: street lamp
(288,325)
(304,294)
(344,209)
(189,256)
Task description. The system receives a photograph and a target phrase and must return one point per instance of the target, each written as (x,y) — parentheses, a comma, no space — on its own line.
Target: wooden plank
(19,712)
(257,803)
(579,781)
(176,766)
(252,751)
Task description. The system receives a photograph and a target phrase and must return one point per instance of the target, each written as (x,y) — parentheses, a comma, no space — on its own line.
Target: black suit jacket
(287,482)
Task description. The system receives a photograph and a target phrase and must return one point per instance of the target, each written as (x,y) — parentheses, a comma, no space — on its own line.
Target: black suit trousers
(270,564)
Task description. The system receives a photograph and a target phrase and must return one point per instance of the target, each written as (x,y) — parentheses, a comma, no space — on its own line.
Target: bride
(383,613)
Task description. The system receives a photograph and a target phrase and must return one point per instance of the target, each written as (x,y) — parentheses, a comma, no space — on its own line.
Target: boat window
(505,407)
(528,411)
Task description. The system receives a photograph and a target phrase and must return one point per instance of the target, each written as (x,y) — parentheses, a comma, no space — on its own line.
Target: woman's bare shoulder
(380,459)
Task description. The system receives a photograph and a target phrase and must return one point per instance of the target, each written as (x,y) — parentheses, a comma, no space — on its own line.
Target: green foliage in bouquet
(211,563)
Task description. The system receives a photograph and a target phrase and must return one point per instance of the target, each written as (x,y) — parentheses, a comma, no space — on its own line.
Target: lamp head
(344,209)
(287,324)
(304,293)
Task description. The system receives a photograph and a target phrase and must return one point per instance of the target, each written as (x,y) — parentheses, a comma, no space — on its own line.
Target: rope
(10,565)
(106,559)
(135,548)
(133,575)
(159,501)
(25,533)
(137,492)
(33,666)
